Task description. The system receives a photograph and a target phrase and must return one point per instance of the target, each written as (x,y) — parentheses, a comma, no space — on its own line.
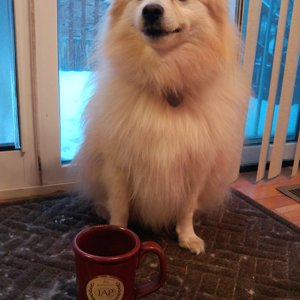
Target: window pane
(9,128)
(262,74)
(231,9)
(293,128)
(77,26)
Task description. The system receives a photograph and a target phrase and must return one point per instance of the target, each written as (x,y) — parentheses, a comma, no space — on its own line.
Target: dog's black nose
(152,12)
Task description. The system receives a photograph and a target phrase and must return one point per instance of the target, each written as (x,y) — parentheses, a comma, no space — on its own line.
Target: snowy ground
(255,120)
(74,93)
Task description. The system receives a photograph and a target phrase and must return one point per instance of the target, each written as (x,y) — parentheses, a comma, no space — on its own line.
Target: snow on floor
(75,92)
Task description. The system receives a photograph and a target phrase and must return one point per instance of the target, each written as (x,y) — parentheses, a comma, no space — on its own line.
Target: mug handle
(147,288)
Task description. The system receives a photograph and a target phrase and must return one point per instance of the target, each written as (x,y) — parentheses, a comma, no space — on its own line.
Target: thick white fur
(157,163)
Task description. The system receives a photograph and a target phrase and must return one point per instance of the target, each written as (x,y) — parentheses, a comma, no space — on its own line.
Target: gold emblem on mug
(105,288)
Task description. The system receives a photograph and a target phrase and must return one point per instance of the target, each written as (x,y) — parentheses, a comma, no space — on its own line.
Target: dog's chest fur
(161,149)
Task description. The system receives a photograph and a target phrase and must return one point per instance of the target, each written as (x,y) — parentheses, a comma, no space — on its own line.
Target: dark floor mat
(249,255)
(292,191)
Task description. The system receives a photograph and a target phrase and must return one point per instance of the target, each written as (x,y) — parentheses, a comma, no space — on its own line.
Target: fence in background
(77,27)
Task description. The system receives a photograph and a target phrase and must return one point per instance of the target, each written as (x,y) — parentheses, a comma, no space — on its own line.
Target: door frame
(35,169)
(47,94)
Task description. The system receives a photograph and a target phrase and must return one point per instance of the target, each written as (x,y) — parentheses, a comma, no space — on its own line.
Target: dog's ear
(116,8)
(217,8)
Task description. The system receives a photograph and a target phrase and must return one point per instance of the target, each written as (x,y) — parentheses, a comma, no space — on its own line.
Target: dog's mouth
(156,33)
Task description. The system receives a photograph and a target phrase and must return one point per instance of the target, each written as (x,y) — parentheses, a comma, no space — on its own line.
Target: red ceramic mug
(107,257)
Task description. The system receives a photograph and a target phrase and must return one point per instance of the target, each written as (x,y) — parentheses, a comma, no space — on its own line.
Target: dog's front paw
(193,243)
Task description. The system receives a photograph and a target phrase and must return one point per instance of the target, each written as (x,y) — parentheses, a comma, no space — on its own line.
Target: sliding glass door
(65,32)
(9,120)
(270,14)
(77,25)
(44,80)
(262,75)
(18,161)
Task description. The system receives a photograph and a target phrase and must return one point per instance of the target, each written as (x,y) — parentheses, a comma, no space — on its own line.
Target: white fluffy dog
(164,129)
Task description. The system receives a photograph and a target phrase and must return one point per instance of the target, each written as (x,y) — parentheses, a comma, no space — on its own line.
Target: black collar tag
(173,98)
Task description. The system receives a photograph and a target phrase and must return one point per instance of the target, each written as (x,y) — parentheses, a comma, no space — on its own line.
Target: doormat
(249,254)
(292,191)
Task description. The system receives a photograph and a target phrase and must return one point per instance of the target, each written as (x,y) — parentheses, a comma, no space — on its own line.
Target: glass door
(261,79)
(9,121)
(262,75)
(65,32)
(77,23)
(18,160)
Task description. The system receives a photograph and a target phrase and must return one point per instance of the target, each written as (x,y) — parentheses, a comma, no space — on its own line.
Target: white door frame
(36,168)
(47,92)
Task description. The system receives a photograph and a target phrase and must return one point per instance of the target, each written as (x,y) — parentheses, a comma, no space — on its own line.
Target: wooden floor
(264,192)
